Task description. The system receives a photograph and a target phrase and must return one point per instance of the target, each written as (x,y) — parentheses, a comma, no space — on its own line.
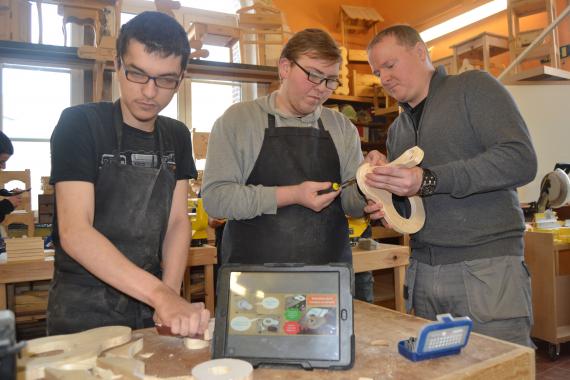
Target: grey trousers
(494,292)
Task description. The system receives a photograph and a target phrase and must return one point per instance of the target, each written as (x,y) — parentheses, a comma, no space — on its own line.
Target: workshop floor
(547,369)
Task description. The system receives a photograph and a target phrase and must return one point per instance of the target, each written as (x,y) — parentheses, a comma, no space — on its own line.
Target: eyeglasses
(168,83)
(316,78)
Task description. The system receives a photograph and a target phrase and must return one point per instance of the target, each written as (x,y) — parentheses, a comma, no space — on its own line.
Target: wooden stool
(202,256)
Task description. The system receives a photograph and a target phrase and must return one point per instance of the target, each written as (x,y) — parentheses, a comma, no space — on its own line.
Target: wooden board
(483,358)
(71,351)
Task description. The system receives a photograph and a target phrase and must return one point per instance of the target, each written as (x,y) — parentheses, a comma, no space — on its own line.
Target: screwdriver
(336,186)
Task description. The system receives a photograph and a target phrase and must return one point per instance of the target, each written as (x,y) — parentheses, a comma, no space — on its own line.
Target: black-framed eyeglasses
(168,83)
(317,78)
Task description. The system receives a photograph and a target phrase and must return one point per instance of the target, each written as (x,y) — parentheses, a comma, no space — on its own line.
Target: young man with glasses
(121,174)
(271,162)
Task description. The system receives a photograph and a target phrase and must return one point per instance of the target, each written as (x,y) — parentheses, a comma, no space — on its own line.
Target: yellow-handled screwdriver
(336,186)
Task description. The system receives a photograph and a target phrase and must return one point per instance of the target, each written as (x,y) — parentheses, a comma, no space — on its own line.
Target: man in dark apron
(271,162)
(121,173)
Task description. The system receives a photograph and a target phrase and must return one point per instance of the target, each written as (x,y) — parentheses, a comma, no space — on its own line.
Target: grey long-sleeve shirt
(478,145)
(235,143)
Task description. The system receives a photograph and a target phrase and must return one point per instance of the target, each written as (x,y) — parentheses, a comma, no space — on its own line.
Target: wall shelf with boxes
(372,125)
(372,109)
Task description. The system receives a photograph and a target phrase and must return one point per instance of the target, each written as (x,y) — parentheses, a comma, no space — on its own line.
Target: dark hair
(158,32)
(405,35)
(5,144)
(315,42)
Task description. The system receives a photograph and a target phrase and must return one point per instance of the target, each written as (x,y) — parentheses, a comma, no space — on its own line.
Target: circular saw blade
(559,191)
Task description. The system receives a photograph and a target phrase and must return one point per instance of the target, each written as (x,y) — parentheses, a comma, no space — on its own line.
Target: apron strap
(271,122)
(118,126)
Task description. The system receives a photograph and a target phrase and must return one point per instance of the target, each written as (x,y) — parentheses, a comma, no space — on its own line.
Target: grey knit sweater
(478,145)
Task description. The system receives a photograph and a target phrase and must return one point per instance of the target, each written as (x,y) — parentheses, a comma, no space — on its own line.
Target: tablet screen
(283,315)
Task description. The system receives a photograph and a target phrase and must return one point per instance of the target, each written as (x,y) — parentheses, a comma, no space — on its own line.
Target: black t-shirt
(78,149)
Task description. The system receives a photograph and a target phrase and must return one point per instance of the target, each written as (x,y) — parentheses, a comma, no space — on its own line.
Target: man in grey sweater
(468,258)
(271,162)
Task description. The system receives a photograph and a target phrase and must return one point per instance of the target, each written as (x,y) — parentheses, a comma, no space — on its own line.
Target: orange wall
(324,14)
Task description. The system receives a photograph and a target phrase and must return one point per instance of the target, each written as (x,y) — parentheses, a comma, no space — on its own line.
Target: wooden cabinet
(549,265)
(15,20)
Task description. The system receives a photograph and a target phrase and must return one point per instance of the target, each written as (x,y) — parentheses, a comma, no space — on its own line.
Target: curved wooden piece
(410,158)
(80,350)
(127,351)
(195,344)
(223,369)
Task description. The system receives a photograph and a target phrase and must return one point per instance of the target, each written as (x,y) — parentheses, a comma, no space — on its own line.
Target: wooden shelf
(539,75)
(386,111)
(528,7)
(67,56)
(348,98)
(372,126)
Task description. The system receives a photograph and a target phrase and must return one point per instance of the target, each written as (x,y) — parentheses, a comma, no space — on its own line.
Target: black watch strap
(429,183)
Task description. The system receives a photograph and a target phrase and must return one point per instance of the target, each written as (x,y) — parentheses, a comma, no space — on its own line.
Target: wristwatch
(429,183)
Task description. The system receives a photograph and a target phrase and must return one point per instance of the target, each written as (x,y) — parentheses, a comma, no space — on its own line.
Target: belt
(438,255)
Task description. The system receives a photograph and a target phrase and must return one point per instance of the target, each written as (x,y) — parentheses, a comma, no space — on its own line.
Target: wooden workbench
(548,261)
(384,257)
(483,358)
(37,270)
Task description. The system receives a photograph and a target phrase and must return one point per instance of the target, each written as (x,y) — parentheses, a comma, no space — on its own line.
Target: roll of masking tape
(223,369)
(410,158)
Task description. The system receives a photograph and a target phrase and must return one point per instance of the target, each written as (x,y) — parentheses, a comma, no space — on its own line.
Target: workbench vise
(8,346)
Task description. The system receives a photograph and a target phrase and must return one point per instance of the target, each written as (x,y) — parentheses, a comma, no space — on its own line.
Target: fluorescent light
(464,19)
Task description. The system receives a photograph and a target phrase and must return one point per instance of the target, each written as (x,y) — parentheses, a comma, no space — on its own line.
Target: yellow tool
(356,227)
(199,219)
(336,186)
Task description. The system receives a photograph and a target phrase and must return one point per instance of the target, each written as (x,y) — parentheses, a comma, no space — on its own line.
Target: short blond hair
(405,35)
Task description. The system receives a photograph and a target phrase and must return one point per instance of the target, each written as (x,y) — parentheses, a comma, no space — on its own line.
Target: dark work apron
(132,207)
(296,234)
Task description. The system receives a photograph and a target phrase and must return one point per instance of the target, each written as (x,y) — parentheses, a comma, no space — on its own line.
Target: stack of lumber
(25,249)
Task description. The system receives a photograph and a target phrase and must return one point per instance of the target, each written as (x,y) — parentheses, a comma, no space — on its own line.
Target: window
(51,26)
(210,100)
(32,100)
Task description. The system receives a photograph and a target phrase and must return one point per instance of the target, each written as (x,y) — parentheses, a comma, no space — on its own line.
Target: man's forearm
(101,258)
(175,254)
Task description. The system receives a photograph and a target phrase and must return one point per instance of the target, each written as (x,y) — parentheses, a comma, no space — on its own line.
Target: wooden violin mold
(410,158)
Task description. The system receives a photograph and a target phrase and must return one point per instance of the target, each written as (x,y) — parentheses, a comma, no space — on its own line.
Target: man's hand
(307,195)
(183,318)
(375,211)
(397,180)
(215,222)
(16,200)
(375,158)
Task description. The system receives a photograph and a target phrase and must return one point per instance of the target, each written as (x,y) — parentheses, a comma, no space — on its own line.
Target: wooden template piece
(61,374)
(223,369)
(410,158)
(128,350)
(195,344)
(80,350)
(127,368)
